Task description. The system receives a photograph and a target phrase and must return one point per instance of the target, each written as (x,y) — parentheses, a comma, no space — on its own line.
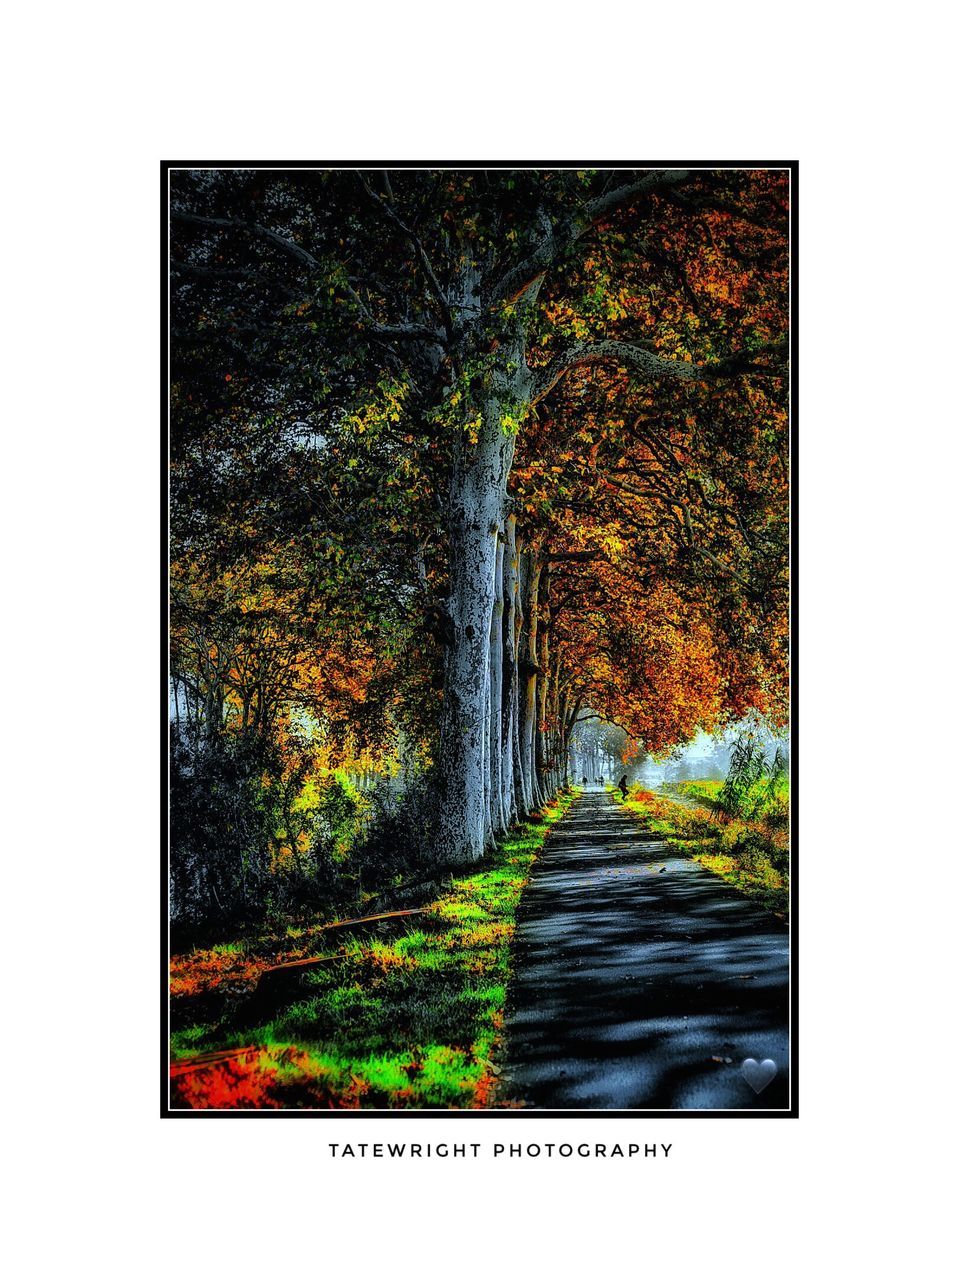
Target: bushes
(253,834)
(751,853)
(409,1019)
(394,833)
(755,787)
(360,841)
(259,834)
(754,849)
(220,817)
(339,815)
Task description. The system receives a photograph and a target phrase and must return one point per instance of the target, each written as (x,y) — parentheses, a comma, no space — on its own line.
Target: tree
(460,307)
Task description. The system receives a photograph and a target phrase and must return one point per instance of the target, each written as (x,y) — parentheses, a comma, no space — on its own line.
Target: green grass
(410,1021)
(765,801)
(229,949)
(752,855)
(762,801)
(706,789)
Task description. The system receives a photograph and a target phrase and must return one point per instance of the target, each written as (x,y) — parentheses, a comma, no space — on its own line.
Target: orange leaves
(641,653)
(195,972)
(668,524)
(239,1083)
(257,1078)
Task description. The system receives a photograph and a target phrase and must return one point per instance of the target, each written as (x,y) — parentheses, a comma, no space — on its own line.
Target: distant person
(585,780)
(601,779)
(622,786)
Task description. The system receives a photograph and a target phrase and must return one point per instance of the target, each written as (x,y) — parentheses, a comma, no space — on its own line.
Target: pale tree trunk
(487,764)
(509,707)
(556,726)
(562,733)
(477,492)
(529,670)
(542,713)
(520,789)
(497,783)
(524,793)
(475,514)
(569,753)
(543,688)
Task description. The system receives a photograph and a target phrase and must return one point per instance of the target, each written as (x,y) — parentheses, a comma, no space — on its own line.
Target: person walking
(622,786)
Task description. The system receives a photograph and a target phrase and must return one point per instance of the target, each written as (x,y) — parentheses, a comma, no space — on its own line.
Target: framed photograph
(478,499)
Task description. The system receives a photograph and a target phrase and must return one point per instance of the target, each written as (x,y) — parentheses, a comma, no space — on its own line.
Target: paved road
(628,980)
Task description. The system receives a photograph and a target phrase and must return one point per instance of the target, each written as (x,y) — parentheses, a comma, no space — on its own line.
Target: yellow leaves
(384,406)
(281,858)
(617,305)
(613,545)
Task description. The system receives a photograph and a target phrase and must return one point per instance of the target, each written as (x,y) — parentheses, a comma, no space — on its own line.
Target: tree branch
(649,366)
(558,239)
(225,273)
(250,228)
(745,362)
(410,330)
(639,361)
(392,216)
(645,186)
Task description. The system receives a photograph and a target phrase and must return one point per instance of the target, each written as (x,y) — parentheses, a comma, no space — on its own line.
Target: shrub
(394,829)
(255,834)
(220,818)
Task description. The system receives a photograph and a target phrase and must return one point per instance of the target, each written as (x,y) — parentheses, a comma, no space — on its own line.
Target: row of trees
(602,751)
(461,457)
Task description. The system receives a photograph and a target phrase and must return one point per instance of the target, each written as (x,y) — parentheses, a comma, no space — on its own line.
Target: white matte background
(94,97)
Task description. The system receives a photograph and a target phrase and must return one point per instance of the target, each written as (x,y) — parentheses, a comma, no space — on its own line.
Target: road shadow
(640,980)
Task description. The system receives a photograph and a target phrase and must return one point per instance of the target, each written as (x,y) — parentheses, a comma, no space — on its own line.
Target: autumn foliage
(461,461)
(345,347)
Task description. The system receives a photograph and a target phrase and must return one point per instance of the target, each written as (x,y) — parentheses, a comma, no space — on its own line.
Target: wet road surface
(628,981)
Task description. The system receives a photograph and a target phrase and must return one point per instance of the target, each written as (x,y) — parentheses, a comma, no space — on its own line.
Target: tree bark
(474,516)
(497,815)
(529,667)
(476,512)
(543,688)
(509,689)
(519,565)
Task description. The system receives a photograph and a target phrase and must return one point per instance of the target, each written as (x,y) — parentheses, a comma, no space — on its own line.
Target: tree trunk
(474,515)
(543,689)
(524,795)
(487,761)
(510,693)
(529,667)
(497,783)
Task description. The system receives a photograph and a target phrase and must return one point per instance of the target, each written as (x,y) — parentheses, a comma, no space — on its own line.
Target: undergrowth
(750,853)
(409,1021)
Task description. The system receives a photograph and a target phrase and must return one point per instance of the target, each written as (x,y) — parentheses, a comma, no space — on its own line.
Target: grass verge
(752,855)
(409,1021)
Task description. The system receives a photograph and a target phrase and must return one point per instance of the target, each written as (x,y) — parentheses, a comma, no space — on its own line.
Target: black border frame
(166,1112)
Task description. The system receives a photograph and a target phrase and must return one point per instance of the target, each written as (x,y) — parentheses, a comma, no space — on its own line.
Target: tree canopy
(457,455)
